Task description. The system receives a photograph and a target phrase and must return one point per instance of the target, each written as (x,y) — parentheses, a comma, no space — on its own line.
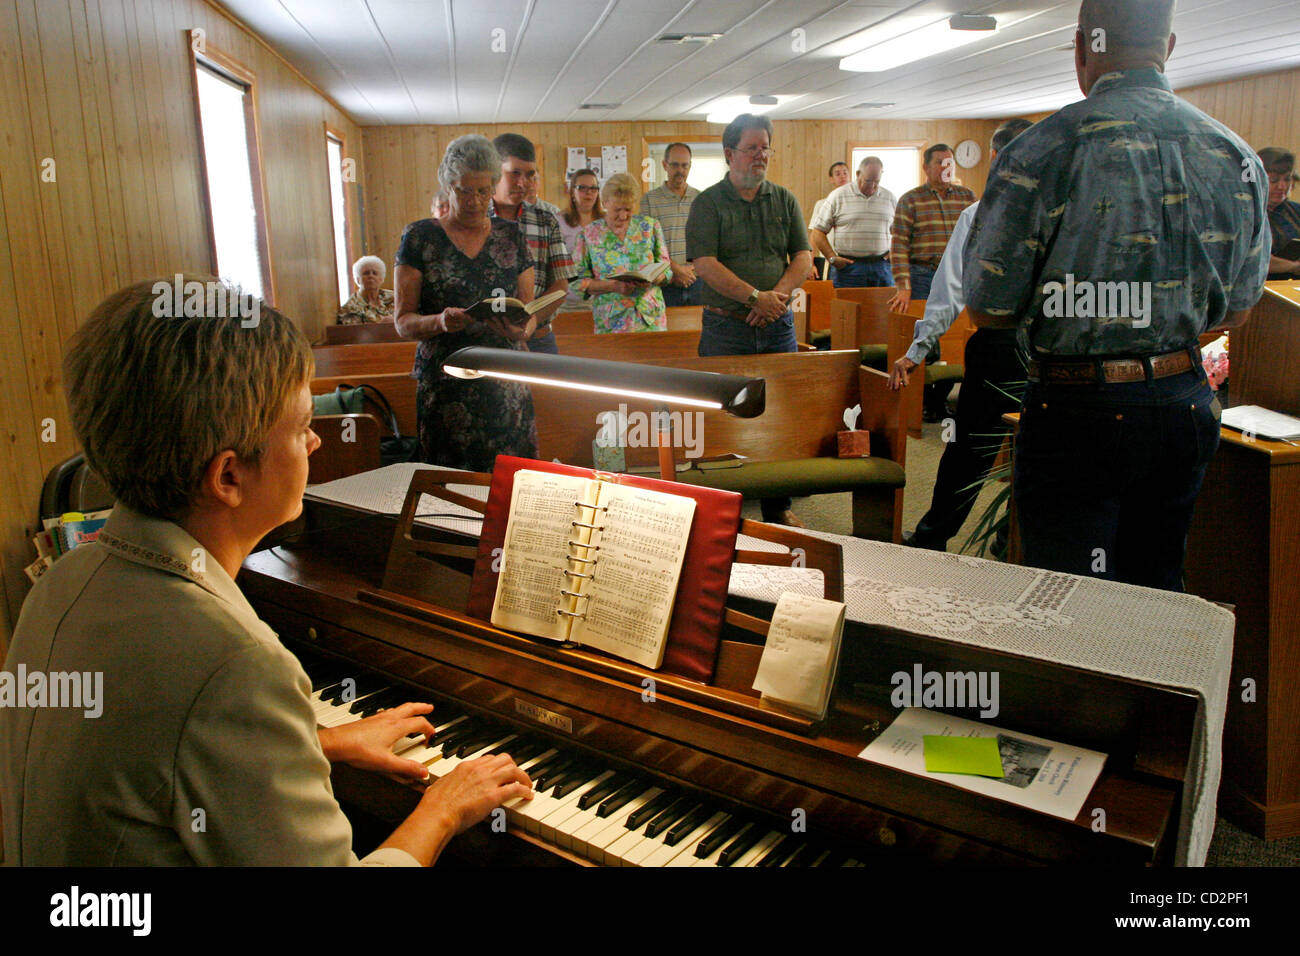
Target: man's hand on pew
(902,298)
(368,744)
(898,374)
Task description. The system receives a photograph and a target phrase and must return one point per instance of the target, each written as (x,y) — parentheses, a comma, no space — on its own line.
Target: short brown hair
(1277,160)
(154,398)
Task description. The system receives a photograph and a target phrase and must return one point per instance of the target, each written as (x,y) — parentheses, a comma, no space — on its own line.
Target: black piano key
(784,848)
(576,778)
(603,790)
(805,855)
(687,824)
(326,677)
(374,703)
(721,834)
(459,734)
(742,844)
(488,735)
(648,811)
(547,777)
(446,733)
(669,816)
(545,764)
(360,686)
(623,797)
(520,749)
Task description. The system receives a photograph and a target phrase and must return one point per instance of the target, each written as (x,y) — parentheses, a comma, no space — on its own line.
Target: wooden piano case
(321,587)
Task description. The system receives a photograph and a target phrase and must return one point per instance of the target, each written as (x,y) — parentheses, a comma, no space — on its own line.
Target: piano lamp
(735,394)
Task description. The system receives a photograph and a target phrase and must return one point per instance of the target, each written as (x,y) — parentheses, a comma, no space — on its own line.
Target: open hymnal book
(1262,422)
(651,273)
(801,655)
(593,562)
(513,309)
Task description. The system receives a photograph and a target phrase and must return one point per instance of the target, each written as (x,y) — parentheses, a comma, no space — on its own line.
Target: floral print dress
(601,254)
(467,423)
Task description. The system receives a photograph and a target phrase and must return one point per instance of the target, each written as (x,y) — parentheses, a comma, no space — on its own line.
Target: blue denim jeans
(722,334)
(544,343)
(1106,476)
(689,295)
(921,277)
(860,275)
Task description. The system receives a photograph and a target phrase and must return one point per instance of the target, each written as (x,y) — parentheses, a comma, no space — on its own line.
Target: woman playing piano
(205,749)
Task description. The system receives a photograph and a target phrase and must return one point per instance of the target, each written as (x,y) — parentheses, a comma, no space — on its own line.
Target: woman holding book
(445,267)
(618,245)
(584,209)
(204,749)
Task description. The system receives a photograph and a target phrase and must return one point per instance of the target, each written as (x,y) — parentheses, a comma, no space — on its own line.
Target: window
(902,166)
(708,165)
(338,207)
(232,173)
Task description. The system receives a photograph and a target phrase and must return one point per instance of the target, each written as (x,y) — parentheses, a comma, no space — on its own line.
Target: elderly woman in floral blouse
(622,242)
(444,267)
(369,303)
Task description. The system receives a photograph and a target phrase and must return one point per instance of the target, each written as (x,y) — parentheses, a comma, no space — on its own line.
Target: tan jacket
(206,749)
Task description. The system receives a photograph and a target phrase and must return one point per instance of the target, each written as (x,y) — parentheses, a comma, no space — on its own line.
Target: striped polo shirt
(923,222)
(861,223)
(672,211)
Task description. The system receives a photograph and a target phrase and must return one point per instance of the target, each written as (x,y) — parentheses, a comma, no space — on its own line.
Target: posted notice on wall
(1037,773)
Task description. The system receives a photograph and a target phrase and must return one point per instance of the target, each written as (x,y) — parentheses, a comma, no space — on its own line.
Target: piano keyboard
(607,815)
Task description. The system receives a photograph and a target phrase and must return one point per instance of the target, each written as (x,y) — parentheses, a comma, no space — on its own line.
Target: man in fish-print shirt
(1111,235)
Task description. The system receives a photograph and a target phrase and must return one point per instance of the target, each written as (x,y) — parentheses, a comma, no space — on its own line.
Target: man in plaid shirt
(551,256)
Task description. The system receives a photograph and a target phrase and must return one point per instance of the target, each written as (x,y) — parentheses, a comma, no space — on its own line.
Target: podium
(1244,549)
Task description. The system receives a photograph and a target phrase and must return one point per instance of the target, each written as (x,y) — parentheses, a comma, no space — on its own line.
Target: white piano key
(759,849)
(551,826)
(592,839)
(685,855)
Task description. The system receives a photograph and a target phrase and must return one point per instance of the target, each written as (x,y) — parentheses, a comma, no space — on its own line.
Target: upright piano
(715,749)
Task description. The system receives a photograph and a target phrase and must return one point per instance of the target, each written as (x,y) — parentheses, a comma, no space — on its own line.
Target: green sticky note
(977,755)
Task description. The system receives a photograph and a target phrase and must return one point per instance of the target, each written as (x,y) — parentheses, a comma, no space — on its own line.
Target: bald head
(1122,35)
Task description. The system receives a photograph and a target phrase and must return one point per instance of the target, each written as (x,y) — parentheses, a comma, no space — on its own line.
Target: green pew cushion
(799,477)
(874,356)
(951,372)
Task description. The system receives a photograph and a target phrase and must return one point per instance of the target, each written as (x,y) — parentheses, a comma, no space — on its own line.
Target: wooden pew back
(365,332)
(680,318)
(806,395)
(349,444)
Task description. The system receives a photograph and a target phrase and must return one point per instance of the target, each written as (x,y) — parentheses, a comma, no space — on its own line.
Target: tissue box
(854,444)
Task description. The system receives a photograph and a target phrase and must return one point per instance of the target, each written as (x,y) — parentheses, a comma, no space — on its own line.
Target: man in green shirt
(747,241)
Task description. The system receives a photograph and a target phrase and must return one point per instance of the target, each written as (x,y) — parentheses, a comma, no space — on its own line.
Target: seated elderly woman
(1283,213)
(206,749)
(622,242)
(369,303)
(444,267)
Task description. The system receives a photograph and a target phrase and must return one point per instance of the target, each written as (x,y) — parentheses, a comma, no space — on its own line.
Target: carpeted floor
(1232,846)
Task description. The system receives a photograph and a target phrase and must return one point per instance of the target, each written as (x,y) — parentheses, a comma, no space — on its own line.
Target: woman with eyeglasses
(584,208)
(622,242)
(444,267)
(1283,213)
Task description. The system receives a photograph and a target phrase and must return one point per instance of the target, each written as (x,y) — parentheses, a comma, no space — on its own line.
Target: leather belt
(1095,371)
(880,258)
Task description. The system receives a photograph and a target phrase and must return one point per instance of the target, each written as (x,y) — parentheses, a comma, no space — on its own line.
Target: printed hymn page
(543,508)
(639,562)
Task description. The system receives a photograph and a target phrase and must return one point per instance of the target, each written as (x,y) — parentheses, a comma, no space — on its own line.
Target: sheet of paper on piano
(1041,774)
(797,669)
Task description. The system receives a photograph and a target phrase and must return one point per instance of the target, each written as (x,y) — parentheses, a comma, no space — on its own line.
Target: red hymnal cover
(696,625)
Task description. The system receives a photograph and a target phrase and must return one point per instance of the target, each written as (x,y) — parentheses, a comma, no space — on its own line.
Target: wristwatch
(753,297)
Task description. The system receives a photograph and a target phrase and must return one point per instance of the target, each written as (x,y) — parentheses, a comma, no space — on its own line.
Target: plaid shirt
(550,255)
(923,221)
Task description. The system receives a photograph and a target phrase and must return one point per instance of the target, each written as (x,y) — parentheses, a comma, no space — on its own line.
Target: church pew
(364,332)
(792,447)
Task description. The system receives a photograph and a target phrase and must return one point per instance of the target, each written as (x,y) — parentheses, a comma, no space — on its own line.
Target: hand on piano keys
(580,804)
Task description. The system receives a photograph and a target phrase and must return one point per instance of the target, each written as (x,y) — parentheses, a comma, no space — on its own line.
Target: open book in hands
(651,273)
(513,310)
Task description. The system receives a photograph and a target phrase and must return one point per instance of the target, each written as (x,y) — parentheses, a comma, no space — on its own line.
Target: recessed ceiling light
(972,21)
(689,37)
(762,99)
(870,106)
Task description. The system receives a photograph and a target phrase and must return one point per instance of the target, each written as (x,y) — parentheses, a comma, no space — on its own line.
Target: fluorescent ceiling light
(920,42)
(729,107)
